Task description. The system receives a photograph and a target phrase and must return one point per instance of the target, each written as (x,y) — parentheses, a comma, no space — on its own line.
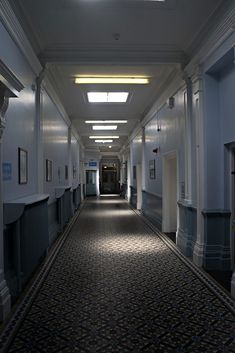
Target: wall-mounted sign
(152,170)
(7,171)
(22,166)
(92,164)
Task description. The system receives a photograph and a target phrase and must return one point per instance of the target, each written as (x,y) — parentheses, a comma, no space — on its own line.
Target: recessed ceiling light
(125,80)
(107,97)
(103,137)
(104,127)
(110,146)
(106,121)
(103,141)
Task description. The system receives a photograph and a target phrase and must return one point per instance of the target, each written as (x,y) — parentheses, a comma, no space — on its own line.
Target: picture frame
(74,172)
(22,166)
(48,170)
(66,172)
(152,169)
(134,172)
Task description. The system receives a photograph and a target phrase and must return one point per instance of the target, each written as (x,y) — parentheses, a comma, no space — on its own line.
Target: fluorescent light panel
(103,137)
(106,121)
(107,97)
(112,80)
(104,127)
(103,141)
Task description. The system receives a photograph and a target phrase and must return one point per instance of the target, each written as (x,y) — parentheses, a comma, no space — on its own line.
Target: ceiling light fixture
(110,146)
(104,127)
(107,97)
(103,141)
(103,137)
(106,121)
(125,80)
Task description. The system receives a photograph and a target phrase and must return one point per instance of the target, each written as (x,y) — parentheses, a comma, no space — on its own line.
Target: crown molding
(112,53)
(223,29)
(171,86)
(16,32)
(47,85)
(10,80)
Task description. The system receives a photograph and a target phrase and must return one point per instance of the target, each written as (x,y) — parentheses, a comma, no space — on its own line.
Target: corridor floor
(116,287)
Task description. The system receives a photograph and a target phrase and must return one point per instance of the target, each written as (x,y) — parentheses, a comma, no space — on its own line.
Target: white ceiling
(75,37)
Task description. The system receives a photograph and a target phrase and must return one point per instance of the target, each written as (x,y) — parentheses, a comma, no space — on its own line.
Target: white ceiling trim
(115,54)
(15,30)
(223,29)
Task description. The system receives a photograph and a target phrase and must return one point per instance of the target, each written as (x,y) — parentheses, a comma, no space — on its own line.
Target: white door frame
(167,225)
(139,185)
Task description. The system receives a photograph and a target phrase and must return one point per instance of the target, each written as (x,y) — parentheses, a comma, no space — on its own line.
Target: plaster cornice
(112,53)
(16,32)
(222,29)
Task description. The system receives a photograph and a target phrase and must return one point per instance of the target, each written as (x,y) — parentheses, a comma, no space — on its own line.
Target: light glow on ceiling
(103,137)
(104,127)
(106,121)
(123,80)
(103,141)
(110,146)
(107,97)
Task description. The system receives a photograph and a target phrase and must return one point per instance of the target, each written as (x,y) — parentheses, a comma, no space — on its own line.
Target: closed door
(90,182)
(233,205)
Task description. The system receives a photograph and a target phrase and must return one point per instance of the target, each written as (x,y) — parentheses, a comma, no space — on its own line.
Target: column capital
(4,102)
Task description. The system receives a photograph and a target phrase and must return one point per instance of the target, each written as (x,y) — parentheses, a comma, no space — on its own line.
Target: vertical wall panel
(55,146)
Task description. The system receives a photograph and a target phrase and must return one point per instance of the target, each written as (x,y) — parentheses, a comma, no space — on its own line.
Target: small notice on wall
(7,171)
(92,164)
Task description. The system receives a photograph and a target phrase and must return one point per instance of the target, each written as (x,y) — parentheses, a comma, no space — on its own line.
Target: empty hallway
(115,286)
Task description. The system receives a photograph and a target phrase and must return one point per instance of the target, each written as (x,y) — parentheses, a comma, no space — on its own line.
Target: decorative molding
(216,213)
(221,28)
(9,87)
(10,80)
(16,32)
(49,88)
(172,85)
(112,53)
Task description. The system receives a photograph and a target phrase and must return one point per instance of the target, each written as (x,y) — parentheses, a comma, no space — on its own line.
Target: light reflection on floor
(113,213)
(123,245)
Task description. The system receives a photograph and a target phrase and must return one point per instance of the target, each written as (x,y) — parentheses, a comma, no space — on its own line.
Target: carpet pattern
(116,287)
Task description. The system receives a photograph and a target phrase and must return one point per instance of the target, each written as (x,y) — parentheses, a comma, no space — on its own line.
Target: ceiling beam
(113,55)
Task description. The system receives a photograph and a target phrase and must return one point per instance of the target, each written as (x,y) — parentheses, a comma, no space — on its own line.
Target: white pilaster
(188,140)
(5,299)
(143,160)
(39,132)
(198,255)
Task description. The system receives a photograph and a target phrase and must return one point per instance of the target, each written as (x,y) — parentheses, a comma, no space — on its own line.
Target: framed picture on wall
(134,172)
(66,172)
(22,166)
(152,170)
(74,172)
(48,170)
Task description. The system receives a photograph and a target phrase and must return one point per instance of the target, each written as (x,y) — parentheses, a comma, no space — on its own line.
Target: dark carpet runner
(117,287)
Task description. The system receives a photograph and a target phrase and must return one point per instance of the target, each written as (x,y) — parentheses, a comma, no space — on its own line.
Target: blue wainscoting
(217,250)
(187,228)
(53,220)
(152,208)
(133,196)
(26,239)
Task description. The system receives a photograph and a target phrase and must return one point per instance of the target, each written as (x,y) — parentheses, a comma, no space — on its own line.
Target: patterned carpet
(116,287)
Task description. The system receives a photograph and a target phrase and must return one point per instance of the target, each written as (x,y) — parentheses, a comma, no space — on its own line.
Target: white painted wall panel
(170,138)
(55,146)
(20,132)
(75,161)
(20,121)
(136,155)
(14,59)
(227,104)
